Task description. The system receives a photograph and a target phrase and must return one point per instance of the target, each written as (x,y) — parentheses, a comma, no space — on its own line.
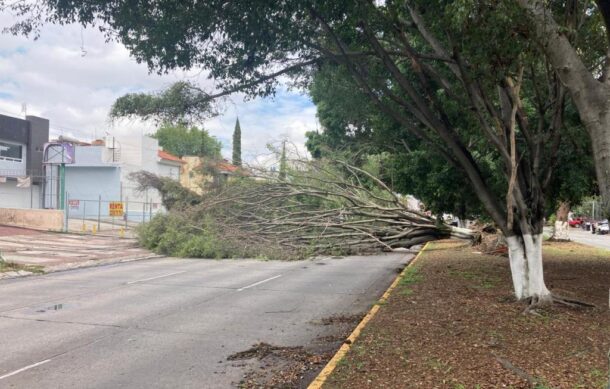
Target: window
(11,152)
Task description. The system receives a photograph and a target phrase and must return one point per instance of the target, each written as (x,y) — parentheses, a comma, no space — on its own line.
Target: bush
(182,234)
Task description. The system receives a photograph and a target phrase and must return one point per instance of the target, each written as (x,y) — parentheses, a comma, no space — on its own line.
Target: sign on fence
(74,204)
(116,208)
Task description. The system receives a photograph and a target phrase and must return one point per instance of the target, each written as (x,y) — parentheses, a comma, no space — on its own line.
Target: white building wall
(166,169)
(136,153)
(13,197)
(141,153)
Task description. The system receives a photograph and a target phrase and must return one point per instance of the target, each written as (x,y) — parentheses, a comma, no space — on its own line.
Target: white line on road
(154,278)
(24,369)
(258,283)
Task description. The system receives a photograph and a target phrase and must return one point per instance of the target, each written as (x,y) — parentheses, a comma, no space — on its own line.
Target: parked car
(602,227)
(576,222)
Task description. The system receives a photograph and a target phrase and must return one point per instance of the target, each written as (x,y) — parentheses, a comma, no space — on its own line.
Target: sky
(71,76)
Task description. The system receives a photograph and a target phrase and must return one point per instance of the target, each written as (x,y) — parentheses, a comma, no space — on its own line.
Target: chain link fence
(94,215)
(101,216)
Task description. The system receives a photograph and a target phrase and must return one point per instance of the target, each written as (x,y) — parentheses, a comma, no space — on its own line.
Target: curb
(345,347)
(83,265)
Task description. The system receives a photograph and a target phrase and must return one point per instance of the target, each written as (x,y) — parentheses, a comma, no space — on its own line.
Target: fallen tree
(328,205)
(318,207)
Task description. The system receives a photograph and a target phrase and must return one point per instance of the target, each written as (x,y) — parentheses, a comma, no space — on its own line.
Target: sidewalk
(48,252)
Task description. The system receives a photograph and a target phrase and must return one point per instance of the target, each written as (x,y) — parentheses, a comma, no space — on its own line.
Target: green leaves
(183,103)
(237,144)
(181,140)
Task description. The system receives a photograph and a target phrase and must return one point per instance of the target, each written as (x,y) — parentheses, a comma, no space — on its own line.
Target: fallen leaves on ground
(458,326)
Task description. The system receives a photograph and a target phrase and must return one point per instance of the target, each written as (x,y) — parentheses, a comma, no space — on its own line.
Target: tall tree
(575,36)
(237,144)
(283,162)
(434,67)
(181,140)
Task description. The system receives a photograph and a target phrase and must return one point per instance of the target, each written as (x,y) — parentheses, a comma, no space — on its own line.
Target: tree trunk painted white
(525,256)
(561,230)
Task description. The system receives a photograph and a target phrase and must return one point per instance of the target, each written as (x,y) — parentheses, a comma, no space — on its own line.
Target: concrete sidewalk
(56,251)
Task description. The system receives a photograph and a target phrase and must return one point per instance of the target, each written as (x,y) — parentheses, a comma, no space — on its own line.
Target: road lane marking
(24,369)
(157,277)
(258,283)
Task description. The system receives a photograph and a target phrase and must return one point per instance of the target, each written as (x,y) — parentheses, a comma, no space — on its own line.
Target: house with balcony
(21,169)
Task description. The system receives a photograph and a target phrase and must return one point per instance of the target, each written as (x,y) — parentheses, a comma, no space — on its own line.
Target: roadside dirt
(11,231)
(454,324)
(295,367)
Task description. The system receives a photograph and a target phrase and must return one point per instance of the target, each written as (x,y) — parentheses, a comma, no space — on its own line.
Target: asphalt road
(171,323)
(586,237)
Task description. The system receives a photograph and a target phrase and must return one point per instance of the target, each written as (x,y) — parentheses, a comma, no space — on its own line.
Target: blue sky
(73,81)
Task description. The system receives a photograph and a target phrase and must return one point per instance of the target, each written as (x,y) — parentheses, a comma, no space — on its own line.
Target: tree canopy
(181,103)
(181,140)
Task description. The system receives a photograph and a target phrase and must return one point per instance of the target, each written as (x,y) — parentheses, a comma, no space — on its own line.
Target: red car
(576,222)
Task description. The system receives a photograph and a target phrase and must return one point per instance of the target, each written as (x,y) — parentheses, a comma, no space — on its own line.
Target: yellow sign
(116,208)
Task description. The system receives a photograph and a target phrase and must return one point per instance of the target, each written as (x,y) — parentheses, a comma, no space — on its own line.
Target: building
(169,165)
(97,176)
(93,176)
(21,170)
(191,176)
(143,153)
(196,178)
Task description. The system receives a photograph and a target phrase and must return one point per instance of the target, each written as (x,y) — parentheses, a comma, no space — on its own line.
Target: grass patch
(10,266)
(410,277)
(573,250)
(480,280)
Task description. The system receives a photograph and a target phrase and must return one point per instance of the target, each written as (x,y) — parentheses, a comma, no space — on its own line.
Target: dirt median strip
(319,381)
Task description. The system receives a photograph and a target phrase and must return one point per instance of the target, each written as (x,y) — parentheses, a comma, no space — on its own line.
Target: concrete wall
(40,219)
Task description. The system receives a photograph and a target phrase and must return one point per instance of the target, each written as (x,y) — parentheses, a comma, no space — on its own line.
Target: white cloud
(75,90)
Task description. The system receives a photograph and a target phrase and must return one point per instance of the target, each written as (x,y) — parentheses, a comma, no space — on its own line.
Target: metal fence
(107,216)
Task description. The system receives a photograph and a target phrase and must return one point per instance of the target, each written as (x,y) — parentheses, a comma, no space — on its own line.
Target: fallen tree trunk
(324,207)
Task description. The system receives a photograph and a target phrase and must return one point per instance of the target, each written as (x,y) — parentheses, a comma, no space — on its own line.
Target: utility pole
(62,179)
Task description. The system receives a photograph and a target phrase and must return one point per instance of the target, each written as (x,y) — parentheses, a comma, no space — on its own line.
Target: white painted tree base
(561,230)
(525,255)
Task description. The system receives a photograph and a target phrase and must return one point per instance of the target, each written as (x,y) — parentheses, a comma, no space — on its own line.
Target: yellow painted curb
(332,364)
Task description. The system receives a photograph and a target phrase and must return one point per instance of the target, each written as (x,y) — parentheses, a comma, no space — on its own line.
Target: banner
(24,182)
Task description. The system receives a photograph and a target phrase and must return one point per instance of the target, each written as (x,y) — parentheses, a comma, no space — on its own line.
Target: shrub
(190,234)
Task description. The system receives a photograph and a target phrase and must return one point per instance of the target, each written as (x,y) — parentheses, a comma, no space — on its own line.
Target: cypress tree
(237,144)
(283,163)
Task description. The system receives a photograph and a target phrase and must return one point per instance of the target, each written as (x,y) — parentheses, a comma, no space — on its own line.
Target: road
(172,322)
(586,237)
